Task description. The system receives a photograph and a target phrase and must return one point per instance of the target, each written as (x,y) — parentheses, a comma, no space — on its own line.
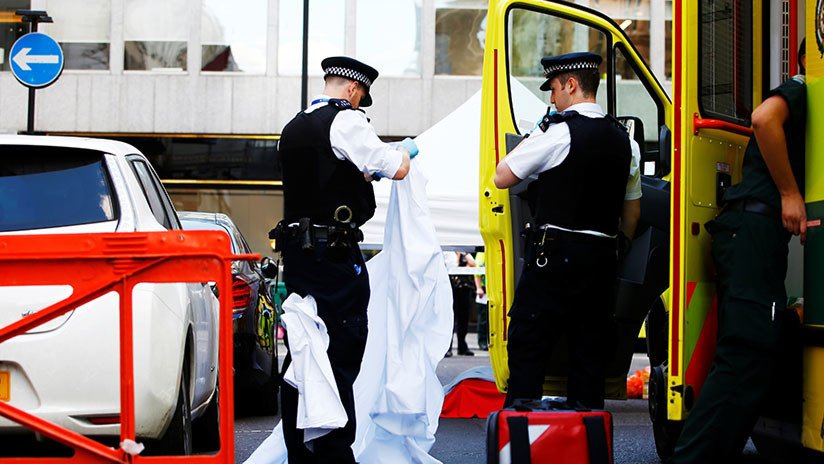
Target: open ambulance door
(720,73)
(519,34)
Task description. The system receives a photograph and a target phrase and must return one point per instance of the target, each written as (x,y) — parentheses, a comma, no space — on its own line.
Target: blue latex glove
(410,146)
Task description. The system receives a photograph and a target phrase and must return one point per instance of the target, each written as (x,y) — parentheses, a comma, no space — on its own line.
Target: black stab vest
(315,181)
(586,191)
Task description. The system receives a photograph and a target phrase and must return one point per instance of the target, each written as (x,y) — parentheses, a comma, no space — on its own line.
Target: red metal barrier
(96,264)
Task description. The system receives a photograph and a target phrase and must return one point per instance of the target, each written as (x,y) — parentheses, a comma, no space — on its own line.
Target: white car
(67,371)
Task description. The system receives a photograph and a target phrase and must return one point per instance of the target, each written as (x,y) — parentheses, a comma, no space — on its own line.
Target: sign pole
(33,17)
(30,123)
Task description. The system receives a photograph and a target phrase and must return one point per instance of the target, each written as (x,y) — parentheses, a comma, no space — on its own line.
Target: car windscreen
(43,187)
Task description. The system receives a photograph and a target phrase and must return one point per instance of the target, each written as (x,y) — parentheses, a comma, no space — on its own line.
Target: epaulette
(617,123)
(551,118)
(340,103)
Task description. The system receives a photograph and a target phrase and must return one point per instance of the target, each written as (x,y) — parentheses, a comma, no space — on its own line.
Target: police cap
(352,69)
(554,65)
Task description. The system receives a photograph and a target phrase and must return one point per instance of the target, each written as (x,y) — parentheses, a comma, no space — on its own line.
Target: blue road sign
(36,60)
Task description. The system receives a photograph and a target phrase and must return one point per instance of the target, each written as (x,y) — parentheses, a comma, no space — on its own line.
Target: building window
(725,60)
(532,35)
(637,20)
(633,17)
(233,36)
(326,34)
(460,32)
(11,29)
(156,34)
(209,158)
(82,27)
(389,36)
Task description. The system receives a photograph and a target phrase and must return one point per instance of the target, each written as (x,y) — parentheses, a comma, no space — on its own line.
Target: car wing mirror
(635,129)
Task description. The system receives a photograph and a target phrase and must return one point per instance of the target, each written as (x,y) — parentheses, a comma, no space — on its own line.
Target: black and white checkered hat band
(349,74)
(569,67)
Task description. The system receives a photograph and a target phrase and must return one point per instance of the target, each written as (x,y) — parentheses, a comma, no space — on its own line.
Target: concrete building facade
(203,87)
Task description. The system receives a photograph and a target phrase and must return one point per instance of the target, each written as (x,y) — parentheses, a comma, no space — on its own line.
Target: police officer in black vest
(330,153)
(588,189)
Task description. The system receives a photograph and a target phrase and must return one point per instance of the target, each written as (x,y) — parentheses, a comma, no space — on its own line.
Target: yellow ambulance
(725,55)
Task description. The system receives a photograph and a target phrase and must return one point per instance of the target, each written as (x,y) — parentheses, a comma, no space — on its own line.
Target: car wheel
(206,428)
(177,441)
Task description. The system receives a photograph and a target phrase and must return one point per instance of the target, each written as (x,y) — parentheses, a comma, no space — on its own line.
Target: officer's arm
(504,177)
(768,127)
(353,138)
(629,217)
(538,153)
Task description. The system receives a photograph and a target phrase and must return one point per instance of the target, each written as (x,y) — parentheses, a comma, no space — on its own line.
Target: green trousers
(750,253)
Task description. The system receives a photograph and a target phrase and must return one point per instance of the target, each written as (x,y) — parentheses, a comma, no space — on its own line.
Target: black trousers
(463,298)
(340,285)
(750,254)
(572,295)
(483,325)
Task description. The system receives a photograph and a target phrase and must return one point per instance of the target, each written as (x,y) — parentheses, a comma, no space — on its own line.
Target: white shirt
(542,151)
(354,139)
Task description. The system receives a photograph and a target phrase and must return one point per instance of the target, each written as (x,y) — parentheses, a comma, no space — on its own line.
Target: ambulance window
(725,60)
(633,98)
(532,35)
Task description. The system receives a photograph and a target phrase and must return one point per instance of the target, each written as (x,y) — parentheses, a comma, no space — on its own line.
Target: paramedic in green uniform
(749,247)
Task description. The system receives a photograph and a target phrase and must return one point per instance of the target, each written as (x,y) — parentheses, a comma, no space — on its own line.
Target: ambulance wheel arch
(519,33)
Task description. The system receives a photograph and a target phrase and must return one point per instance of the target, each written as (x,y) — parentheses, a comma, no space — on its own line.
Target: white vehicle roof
(103,145)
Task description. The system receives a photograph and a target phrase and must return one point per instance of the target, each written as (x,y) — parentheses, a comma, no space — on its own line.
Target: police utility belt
(341,236)
(543,241)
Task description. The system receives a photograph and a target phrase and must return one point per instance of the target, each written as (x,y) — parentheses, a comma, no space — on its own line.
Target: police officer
(749,247)
(588,183)
(329,154)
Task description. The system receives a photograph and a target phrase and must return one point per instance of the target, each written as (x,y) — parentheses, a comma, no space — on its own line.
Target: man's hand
(410,146)
(794,214)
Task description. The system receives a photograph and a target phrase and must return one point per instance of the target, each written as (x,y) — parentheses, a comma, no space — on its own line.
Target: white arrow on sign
(23,59)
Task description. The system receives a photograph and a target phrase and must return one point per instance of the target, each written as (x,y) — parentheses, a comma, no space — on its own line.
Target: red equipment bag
(548,432)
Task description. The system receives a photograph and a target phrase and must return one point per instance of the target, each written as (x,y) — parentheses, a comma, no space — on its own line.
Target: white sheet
(398,396)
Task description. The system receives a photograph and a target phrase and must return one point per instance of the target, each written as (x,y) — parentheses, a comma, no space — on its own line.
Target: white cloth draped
(319,406)
(398,396)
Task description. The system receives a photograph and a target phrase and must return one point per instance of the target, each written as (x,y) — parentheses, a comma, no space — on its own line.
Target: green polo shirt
(757,184)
